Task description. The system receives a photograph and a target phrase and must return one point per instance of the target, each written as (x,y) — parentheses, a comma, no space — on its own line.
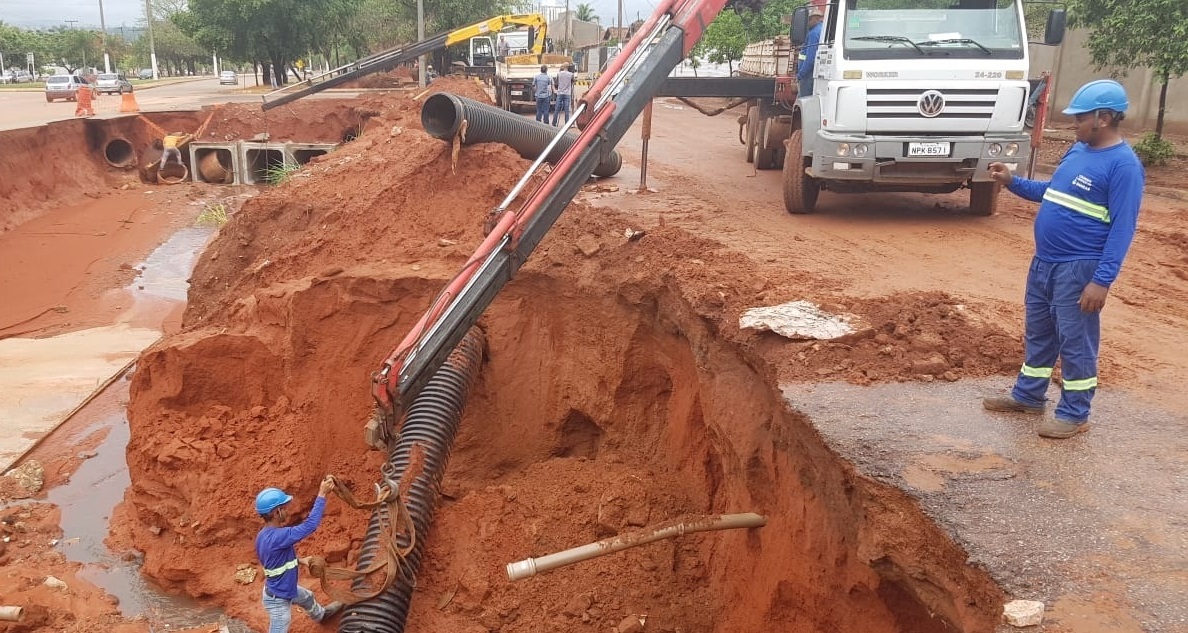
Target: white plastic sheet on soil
(797,320)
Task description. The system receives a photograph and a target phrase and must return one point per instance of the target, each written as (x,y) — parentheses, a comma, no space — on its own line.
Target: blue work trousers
(561,106)
(1057,328)
(280,611)
(542,109)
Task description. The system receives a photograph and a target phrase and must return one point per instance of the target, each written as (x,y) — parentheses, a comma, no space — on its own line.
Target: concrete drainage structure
(248,162)
(118,152)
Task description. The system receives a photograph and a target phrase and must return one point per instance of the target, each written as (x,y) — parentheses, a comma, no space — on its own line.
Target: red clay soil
(618,392)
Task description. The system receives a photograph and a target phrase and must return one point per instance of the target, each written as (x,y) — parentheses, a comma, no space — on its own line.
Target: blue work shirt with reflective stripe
(275,549)
(808,54)
(1089,181)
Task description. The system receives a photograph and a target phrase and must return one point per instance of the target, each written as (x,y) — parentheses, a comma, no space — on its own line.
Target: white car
(228,77)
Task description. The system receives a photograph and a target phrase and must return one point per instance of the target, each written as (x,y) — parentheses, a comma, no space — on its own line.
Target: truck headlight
(1012,149)
(843,149)
(994,150)
(861,149)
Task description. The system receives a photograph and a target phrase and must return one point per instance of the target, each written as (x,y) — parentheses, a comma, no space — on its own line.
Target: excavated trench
(594,414)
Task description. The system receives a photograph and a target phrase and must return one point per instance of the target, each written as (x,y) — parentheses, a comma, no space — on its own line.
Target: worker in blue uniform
(807,58)
(275,547)
(1086,220)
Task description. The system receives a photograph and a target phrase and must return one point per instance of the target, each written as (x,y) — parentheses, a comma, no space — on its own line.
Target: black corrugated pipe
(443,113)
(429,429)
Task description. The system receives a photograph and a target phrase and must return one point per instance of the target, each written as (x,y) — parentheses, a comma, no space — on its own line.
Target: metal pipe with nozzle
(532,566)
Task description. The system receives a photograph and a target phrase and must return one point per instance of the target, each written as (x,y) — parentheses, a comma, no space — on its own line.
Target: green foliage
(214,214)
(278,173)
(1136,34)
(724,39)
(585,12)
(1154,151)
(768,22)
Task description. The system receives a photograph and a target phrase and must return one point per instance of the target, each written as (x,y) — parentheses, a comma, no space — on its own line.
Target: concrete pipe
(11,614)
(214,168)
(118,152)
(172,174)
(443,114)
(532,566)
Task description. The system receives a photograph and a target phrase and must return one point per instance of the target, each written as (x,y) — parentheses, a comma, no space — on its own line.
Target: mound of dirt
(618,392)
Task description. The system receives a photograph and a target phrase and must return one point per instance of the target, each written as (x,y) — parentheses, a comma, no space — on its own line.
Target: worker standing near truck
(564,93)
(808,52)
(1086,220)
(542,89)
(275,547)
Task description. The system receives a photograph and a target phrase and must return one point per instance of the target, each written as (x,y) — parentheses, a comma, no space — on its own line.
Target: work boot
(330,611)
(1058,429)
(1009,405)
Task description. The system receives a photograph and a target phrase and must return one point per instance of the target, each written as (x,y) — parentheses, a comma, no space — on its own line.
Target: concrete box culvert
(259,160)
(303,156)
(215,165)
(118,152)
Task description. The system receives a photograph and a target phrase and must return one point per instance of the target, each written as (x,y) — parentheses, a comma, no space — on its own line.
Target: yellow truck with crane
(478,57)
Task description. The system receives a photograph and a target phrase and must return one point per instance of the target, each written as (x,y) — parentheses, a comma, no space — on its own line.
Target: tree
(1137,34)
(585,13)
(725,39)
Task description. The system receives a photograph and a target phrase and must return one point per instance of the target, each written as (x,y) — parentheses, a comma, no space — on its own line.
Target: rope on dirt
(391,563)
(459,139)
(734,103)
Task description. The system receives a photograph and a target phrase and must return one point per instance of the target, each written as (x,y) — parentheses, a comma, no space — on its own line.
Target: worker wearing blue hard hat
(276,549)
(1086,221)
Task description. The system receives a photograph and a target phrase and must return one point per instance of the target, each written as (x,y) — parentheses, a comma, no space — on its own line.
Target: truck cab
(910,95)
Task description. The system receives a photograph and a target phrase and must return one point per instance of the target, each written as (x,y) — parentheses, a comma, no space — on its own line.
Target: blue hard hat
(1103,94)
(270,499)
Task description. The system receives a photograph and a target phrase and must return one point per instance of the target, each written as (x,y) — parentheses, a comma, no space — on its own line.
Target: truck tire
(800,189)
(752,132)
(765,152)
(505,91)
(983,198)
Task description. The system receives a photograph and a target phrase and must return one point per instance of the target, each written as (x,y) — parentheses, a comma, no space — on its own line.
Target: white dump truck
(908,95)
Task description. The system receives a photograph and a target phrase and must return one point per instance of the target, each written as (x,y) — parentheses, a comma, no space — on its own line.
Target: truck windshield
(898,29)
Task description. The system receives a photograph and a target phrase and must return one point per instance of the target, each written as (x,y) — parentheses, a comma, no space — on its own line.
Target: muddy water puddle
(86,503)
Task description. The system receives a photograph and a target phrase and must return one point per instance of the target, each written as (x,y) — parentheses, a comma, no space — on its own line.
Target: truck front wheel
(983,197)
(800,189)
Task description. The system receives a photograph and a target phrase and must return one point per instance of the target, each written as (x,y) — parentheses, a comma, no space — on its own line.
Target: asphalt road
(21,109)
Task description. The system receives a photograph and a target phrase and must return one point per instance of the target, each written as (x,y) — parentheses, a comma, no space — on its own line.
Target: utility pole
(619,26)
(103,39)
(568,22)
(148,18)
(422,75)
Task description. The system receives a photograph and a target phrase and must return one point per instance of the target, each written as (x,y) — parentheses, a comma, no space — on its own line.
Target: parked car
(16,77)
(64,87)
(146,73)
(228,77)
(112,83)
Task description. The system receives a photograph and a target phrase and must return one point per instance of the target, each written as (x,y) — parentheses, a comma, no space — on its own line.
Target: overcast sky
(48,13)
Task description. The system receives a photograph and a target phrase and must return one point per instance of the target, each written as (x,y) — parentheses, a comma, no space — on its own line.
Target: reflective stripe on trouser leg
(1041,343)
(1080,337)
(305,600)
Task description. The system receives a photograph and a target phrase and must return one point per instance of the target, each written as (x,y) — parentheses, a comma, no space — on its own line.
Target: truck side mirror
(799,25)
(1054,30)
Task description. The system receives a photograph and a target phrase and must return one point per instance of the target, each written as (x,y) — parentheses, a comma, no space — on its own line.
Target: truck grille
(886,104)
